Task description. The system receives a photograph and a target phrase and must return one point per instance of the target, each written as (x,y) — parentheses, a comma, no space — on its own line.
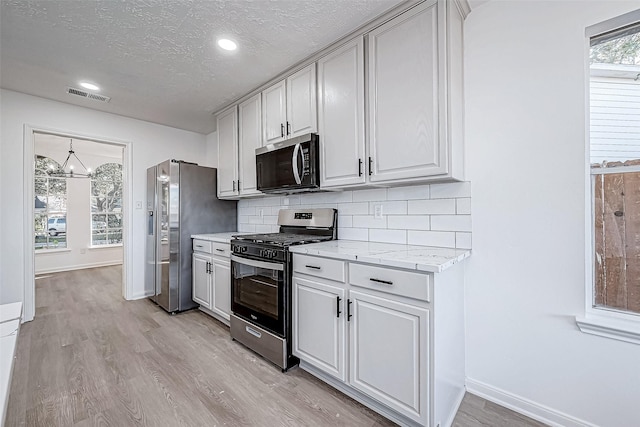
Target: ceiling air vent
(85,94)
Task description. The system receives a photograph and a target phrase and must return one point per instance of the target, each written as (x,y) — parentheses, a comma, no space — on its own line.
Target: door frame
(29,296)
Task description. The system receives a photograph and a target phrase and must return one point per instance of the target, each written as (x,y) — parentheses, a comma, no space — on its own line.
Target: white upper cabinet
(406,131)
(301,102)
(289,107)
(341,115)
(249,138)
(274,113)
(228,152)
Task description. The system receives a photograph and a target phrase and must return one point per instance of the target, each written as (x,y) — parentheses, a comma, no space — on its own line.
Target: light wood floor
(91,358)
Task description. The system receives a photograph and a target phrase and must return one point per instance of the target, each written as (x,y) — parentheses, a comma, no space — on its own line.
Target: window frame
(601,321)
(106,213)
(48,213)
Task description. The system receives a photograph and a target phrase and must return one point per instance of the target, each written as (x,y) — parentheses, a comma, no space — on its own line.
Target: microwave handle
(294,162)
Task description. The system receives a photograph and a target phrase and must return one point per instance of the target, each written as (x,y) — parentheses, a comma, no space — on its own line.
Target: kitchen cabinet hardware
(338,299)
(370,166)
(315,267)
(385,282)
(349,315)
(359,167)
(618,213)
(199,246)
(282,130)
(288,128)
(219,250)
(234,185)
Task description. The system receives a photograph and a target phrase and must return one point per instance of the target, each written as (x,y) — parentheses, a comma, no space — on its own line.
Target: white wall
(525,140)
(151,144)
(211,153)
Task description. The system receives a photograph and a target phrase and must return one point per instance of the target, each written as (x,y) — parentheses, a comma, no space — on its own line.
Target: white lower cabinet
(201,280)
(212,278)
(221,303)
(388,353)
(387,347)
(319,334)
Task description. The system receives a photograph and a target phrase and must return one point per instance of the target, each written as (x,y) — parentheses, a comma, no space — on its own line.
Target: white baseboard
(140,296)
(524,406)
(79,267)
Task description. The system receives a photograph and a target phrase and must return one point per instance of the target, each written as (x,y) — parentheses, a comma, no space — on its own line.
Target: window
(613,203)
(106,205)
(50,219)
(615,168)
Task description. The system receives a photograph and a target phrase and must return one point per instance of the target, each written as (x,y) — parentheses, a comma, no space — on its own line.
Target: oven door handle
(258,264)
(294,163)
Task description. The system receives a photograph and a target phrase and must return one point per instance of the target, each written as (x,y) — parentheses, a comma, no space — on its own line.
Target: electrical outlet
(138,205)
(261,213)
(377,211)
(285,201)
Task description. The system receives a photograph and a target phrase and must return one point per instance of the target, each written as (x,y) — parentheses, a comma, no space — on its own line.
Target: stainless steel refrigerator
(181,201)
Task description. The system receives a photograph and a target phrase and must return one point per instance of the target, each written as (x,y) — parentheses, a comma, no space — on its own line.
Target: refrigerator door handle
(150,230)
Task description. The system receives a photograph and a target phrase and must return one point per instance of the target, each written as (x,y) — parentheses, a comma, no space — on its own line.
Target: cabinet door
(319,326)
(341,115)
(228,152)
(201,280)
(274,113)
(221,289)
(406,135)
(301,102)
(388,349)
(249,138)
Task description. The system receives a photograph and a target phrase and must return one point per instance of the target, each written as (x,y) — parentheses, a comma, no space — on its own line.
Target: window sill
(622,329)
(117,245)
(52,251)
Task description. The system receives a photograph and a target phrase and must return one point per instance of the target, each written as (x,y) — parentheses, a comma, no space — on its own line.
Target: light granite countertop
(423,258)
(218,237)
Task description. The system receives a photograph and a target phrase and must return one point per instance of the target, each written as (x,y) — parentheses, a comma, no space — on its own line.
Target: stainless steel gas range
(261,281)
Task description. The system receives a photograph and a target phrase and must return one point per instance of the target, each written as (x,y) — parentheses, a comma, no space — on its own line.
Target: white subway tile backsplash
(443,239)
(451,222)
(247,228)
(361,208)
(374,195)
(463,240)
(246,211)
(388,236)
(408,193)
(369,221)
(345,220)
(428,214)
(409,222)
(361,234)
(398,207)
(432,207)
(451,190)
(256,220)
(265,228)
(463,206)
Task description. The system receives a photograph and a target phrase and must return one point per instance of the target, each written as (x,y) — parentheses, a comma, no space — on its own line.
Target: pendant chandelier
(67,170)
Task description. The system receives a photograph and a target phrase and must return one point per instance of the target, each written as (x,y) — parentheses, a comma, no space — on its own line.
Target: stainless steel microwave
(290,166)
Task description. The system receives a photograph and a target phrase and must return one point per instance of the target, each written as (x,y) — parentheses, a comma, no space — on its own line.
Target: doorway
(77,190)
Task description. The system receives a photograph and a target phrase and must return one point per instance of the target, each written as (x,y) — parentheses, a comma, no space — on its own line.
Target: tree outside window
(106,205)
(50,219)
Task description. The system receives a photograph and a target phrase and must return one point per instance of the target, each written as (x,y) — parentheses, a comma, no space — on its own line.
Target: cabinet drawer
(221,249)
(202,246)
(397,282)
(331,269)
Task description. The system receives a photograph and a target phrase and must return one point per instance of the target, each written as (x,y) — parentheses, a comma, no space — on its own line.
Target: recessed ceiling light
(227,44)
(89,86)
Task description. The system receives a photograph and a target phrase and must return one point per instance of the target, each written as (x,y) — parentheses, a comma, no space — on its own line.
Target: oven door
(257,292)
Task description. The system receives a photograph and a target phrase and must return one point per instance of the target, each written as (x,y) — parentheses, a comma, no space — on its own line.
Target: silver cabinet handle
(385,282)
(219,250)
(314,267)
(234,185)
(294,163)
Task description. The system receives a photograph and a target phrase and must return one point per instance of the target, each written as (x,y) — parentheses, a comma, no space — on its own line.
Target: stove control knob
(243,249)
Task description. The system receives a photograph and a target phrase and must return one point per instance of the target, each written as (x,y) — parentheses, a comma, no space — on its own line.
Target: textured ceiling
(157,59)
